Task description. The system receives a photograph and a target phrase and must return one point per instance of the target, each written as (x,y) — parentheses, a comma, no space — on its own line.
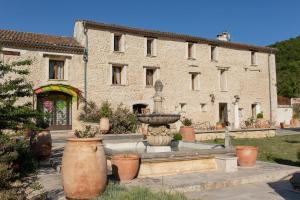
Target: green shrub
(88,132)
(260,115)
(187,122)
(105,109)
(177,136)
(91,114)
(123,121)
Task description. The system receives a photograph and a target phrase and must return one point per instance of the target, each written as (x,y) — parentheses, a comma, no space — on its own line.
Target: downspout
(270,86)
(85,59)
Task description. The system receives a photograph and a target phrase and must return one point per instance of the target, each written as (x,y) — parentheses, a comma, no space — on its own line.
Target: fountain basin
(158,119)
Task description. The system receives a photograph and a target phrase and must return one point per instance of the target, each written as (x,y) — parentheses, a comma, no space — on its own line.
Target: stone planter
(159,140)
(41,144)
(104,125)
(83,168)
(125,166)
(187,133)
(246,155)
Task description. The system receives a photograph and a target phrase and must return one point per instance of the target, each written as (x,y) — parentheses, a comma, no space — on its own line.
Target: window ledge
(57,80)
(149,86)
(224,91)
(118,52)
(191,58)
(118,85)
(254,65)
(214,61)
(150,56)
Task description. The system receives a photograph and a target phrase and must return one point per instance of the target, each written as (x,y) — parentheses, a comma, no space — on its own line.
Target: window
(117,42)
(223,80)
(253,58)
(193,77)
(194,80)
(213,53)
(191,50)
(149,47)
(56,69)
(203,107)
(182,107)
(149,77)
(117,75)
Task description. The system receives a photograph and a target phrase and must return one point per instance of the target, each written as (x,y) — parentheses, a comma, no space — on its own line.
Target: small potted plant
(105,113)
(260,120)
(246,155)
(187,131)
(84,165)
(176,138)
(40,138)
(125,166)
(220,125)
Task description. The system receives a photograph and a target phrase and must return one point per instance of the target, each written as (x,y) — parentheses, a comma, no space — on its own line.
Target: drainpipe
(272,73)
(85,59)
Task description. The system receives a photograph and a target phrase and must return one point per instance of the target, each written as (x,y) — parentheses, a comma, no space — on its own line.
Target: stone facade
(251,83)
(247,84)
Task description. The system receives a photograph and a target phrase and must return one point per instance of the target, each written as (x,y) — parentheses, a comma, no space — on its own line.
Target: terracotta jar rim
(246,147)
(186,127)
(125,157)
(75,139)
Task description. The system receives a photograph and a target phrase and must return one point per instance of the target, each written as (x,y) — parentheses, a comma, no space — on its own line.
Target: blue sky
(259,22)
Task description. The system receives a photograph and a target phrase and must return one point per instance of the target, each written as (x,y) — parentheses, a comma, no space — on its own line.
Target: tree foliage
(288,67)
(13,86)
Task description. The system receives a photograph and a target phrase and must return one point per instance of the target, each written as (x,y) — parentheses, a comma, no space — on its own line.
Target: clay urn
(125,166)
(41,143)
(104,125)
(246,155)
(83,168)
(187,133)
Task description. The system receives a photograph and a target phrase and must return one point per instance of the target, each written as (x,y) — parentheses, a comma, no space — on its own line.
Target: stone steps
(204,181)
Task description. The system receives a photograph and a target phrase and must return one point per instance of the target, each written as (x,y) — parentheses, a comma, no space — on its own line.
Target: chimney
(224,36)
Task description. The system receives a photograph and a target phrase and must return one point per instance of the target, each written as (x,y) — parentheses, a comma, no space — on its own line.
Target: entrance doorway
(59,106)
(223,115)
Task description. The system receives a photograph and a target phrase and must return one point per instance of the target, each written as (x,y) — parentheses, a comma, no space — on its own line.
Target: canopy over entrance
(74,92)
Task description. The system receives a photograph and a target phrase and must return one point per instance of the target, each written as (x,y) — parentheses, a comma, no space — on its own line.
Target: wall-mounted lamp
(237,98)
(212,98)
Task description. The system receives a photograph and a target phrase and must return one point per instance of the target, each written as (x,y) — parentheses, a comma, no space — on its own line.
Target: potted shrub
(219,125)
(176,138)
(84,165)
(187,131)
(246,155)
(259,120)
(105,113)
(125,166)
(40,138)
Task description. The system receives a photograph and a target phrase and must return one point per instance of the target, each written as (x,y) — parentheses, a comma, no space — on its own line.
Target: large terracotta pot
(83,168)
(104,125)
(125,166)
(246,155)
(187,133)
(41,144)
(159,140)
(219,126)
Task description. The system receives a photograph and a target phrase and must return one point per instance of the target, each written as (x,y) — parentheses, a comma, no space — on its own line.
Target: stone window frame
(196,81)
(123,74)
(153,47)
(191,51)
(156,75)
(57,57)
(121,42)
(223,87)
(214,53)
(253,58)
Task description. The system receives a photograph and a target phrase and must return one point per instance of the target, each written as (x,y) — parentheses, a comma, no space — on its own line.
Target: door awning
(74,92)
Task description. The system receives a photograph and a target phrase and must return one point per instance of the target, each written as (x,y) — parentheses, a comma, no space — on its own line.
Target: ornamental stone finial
(158,86)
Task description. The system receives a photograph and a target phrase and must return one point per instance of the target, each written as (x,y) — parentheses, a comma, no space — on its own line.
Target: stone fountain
(159,135)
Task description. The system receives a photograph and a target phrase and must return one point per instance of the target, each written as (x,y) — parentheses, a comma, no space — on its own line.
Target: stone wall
(39,72)
(250,82)
(243,133)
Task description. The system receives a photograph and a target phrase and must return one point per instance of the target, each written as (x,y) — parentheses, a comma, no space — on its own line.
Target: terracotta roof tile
(41,41)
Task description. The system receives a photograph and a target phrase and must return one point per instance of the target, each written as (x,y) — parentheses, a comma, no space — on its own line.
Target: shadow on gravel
(285,190)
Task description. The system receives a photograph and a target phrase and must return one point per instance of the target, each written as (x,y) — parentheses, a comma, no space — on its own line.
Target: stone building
(206,80)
